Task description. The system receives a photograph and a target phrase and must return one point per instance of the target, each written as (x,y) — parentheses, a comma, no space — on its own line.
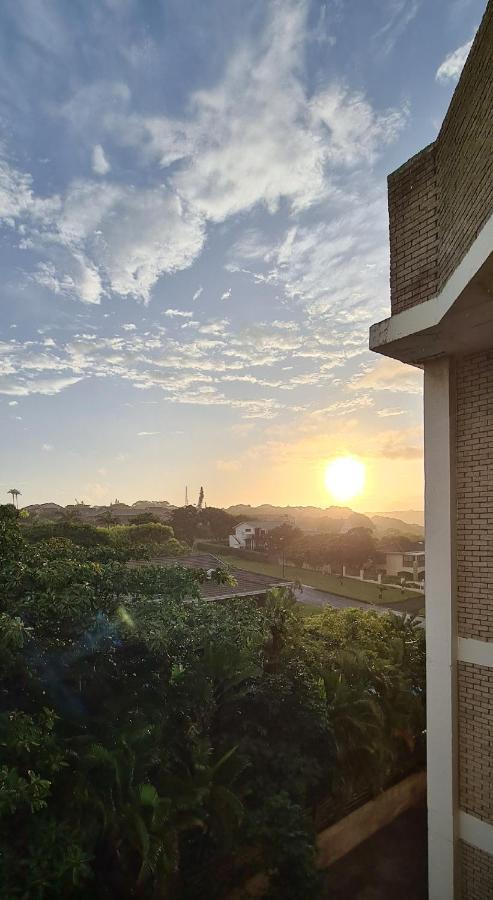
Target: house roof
(263,523)
(248,584)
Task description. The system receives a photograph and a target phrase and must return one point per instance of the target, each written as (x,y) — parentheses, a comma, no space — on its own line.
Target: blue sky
(193,241)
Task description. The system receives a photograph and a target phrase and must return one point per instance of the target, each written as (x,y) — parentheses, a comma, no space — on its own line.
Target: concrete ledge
(344,836)
(339,839)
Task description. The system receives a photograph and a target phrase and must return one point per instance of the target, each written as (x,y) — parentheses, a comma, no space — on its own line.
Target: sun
(345,477)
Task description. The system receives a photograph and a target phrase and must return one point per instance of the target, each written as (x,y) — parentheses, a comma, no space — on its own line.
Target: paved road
(321,598)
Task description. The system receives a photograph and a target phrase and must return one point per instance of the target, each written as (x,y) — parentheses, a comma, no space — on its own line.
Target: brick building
(441,243)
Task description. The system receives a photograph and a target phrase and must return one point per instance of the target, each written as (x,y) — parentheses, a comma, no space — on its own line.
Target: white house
(251,535)
(412,562)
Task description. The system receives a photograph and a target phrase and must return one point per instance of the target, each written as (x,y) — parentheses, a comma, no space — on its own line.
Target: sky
(194,242)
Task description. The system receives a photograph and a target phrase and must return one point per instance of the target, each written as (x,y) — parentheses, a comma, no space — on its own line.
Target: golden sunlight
(345,477)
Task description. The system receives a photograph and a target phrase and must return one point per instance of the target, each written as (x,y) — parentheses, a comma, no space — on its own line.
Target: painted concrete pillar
(441,629)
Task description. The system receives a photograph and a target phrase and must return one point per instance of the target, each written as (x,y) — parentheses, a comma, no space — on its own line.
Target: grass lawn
(366,591)
(311,609)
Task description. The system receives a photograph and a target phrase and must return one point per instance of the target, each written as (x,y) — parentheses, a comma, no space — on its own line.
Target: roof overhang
(458,320)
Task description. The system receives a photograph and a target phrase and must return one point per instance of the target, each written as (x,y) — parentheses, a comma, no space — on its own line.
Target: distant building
(252,535)
(409,562)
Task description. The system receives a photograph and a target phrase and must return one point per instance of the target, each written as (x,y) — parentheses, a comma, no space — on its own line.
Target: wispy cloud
(389,375)
(100,165)
(178,313)
(452,65)
(400,14)
(388,412)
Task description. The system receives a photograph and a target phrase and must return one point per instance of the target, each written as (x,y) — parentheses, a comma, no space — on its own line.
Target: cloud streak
(452,65)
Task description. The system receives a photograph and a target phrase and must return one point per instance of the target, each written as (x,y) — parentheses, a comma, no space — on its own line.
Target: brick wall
(413,231)
(465,155)
(474,487)
(477,873)
(441,198)
(475,691)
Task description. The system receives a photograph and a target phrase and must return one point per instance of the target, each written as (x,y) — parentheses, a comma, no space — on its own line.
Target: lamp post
(282,549)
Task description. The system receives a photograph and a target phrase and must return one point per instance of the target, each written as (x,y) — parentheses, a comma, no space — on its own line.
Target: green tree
(216,523)
(283,537)
(185,521)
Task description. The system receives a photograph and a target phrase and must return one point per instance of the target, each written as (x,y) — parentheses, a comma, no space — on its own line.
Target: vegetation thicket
(153,745)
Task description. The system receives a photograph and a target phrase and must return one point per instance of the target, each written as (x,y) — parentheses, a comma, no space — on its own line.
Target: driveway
(322,598)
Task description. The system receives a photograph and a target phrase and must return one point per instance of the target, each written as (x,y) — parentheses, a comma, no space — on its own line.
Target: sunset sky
(193,241)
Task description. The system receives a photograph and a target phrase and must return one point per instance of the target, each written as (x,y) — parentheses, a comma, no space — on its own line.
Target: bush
(158,539)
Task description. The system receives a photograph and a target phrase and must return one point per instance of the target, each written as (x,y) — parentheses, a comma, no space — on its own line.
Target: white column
(441,630)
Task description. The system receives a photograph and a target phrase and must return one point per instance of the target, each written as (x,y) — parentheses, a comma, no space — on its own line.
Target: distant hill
(410,516)
(332,519)
(384,525)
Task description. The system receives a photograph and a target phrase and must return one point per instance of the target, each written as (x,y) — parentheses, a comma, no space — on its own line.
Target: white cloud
(356,132)
(13,403)
(198,292)
(389,375)
(337,266)
(23,387)
(258,136)
(146,433)
(217,326)
(226,295)
(452,65)
(178,314)
(100,165)
(47,447)
(129,326)
(101,236)
(387,412)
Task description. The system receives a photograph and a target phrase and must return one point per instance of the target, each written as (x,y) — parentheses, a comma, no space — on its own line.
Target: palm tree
(15,494)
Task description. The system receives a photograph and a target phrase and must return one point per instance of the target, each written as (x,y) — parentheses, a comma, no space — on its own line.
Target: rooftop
(248,584)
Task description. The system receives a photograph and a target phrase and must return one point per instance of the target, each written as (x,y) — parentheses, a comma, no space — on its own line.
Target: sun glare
(345,477)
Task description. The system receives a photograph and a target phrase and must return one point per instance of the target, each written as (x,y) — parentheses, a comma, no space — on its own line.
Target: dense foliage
(191,523)
(152,745)
(356,547)
(143,540)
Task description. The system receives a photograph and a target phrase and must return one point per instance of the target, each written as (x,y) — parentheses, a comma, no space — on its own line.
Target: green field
(365,591)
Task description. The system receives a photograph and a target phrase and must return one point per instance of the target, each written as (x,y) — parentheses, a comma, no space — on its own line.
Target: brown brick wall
(429,237)
(475,690)
(413,231)
(476,873)
(474,487)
